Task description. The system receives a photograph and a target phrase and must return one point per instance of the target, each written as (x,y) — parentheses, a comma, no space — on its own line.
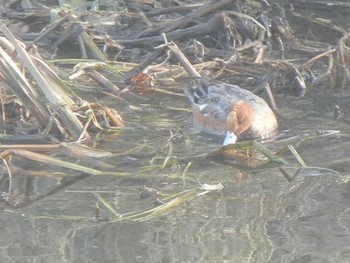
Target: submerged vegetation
(50,56)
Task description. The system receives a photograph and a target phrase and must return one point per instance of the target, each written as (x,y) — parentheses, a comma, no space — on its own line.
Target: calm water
(259,216)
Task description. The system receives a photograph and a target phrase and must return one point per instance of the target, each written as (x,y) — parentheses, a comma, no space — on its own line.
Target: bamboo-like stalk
(67,116)
(22,89)
(55,161)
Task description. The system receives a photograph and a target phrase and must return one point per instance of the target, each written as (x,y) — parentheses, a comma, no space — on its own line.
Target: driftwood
(322,5)
(167,27)
(179,34)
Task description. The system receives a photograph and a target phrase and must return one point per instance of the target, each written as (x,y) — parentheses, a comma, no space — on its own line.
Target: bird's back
(211,103)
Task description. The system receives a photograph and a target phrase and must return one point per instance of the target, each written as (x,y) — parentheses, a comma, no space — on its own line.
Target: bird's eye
(217,115)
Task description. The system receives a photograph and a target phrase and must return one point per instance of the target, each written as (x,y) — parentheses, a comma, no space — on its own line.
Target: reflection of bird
(228,109)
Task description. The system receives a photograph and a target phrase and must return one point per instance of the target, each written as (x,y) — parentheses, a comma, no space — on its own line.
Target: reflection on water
(258,217)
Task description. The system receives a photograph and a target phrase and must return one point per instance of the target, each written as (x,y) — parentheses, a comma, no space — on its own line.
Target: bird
(227,109)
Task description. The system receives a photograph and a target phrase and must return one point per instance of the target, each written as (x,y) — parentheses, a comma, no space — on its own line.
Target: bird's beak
(231,138)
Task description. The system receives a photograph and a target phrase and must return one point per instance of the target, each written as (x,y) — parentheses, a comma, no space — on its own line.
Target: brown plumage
(228,109)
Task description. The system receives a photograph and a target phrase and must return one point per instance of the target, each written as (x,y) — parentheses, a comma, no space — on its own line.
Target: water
(259,216)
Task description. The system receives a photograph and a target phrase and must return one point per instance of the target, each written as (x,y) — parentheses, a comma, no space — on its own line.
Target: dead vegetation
(129,46)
